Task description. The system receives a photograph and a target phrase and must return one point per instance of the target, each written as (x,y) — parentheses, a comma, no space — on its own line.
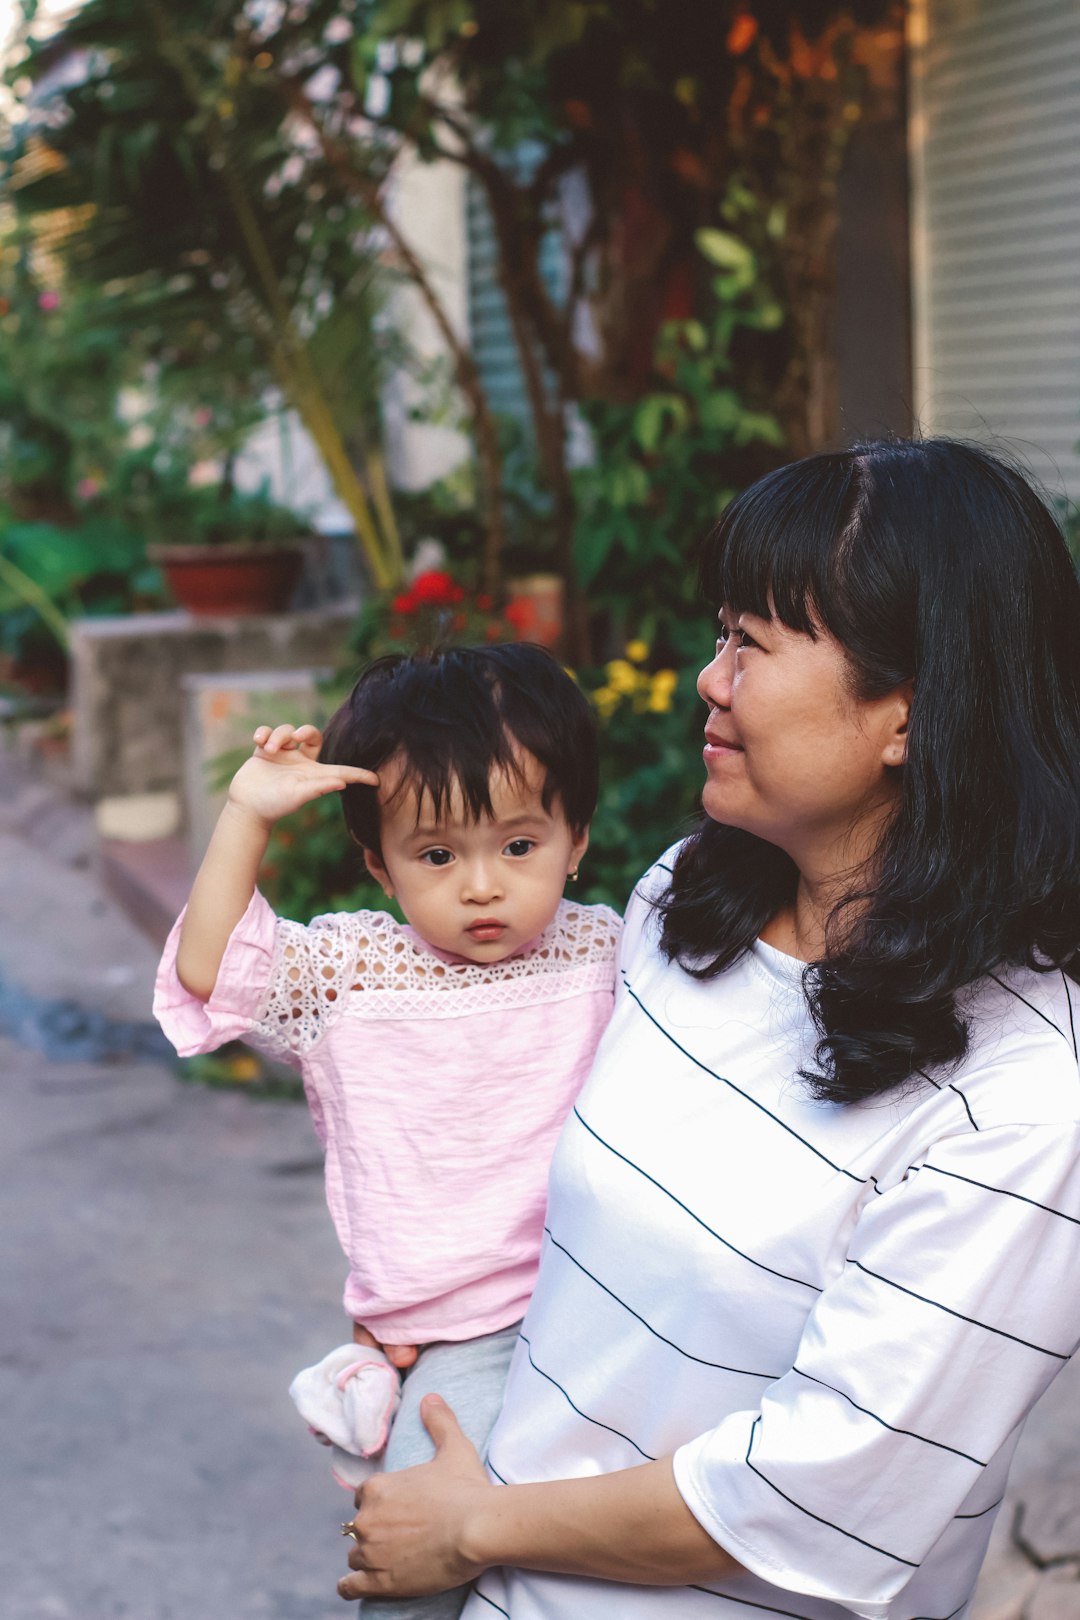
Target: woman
(814,1226)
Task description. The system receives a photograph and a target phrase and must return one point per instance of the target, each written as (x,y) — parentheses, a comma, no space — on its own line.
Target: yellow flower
(244,1068)
(637,651)
(622,677)
(665,680)
(660,701)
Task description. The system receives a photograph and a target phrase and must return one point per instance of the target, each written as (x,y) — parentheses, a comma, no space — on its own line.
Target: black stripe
(1072,1021)
(747,1603)
(646,1454)
(491,1602)
(896,1558)
(703,1224)
(791,1614)
(719,1365)
(940,1444)
(949,1311)
(938,1087)
(724,1081)
(489,1464)
(1005,1192)
(1030,1005)
(982,1511)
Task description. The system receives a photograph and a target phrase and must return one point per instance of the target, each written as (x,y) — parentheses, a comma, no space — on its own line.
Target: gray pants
(470,1377)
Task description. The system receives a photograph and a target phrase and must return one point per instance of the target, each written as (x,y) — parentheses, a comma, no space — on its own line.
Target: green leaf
(769,317)
(725,251)
(654,415)
(592,547)
(759,427)
(721,411)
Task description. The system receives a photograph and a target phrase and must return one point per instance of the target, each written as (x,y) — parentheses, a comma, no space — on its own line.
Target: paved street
(167,1264)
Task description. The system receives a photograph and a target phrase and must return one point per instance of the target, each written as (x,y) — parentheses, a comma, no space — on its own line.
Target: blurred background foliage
(200,233)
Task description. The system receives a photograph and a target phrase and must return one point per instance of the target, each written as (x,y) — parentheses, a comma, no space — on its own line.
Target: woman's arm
(282,774)
(439,1525)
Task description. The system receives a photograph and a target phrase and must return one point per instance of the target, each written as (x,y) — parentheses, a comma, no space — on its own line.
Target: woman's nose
(714,682)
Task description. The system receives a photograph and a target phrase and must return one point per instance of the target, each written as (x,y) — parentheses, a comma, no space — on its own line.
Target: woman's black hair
(932,562)
(454,717)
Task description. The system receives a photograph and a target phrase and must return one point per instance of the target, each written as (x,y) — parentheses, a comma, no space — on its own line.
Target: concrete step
(149,880)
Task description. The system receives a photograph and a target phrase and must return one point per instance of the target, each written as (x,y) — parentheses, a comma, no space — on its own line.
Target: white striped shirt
(835,1317)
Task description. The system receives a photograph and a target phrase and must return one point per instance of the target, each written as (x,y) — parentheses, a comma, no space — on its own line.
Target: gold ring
(350,1530)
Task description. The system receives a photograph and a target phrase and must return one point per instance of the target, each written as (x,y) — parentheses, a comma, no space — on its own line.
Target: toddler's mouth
(486,929)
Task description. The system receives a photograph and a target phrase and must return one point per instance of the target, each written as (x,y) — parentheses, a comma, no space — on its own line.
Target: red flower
(519,615)
(484,604)
(492,633)
(436,587)
(742,33)
(406,603)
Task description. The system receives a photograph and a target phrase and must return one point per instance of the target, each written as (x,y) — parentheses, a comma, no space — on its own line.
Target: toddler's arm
(282,774)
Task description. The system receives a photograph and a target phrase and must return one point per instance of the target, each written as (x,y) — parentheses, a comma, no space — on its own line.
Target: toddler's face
(480,889)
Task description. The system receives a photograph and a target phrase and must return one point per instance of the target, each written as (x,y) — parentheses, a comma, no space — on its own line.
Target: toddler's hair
(454,717)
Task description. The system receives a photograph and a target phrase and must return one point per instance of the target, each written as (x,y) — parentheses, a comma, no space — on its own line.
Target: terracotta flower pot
(536,609)
(231,580)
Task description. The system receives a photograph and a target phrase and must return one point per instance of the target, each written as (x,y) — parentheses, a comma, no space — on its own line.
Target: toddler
(441,1057)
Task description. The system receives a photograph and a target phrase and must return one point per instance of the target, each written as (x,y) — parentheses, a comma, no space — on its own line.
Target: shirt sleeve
(955,1307)
(279,986)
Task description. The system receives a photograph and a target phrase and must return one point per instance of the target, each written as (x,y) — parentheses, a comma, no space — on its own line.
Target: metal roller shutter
(995,141)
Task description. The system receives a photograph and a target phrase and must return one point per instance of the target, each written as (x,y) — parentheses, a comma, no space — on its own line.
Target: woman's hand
(284,773)
(411,1527)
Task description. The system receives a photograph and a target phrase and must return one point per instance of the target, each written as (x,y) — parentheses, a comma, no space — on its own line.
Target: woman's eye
(437,857)
(742,638)
(519,846)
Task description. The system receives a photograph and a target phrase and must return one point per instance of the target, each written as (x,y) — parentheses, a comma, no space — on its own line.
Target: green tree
(170,186)
(626,125)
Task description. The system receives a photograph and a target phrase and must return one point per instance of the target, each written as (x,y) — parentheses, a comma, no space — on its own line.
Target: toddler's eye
(437,857)
(519,846)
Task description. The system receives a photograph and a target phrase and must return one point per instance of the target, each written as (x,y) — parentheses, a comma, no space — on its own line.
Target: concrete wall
(126,684)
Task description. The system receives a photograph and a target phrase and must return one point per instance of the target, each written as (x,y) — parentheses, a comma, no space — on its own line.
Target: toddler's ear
(379,873)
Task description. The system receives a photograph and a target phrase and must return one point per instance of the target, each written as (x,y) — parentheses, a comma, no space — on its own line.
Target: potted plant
(244,555)
(223,551)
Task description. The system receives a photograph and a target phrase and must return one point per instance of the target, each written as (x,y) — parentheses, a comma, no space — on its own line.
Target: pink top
(438,1087)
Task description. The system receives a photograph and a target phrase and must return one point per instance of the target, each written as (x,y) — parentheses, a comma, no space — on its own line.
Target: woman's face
(791,754)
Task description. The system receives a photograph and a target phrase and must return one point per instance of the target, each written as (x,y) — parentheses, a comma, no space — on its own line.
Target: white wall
(429,205)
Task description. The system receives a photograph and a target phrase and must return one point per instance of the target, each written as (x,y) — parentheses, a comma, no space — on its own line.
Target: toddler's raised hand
(284,773)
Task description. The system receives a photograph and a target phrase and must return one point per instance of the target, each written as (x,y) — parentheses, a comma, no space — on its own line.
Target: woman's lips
(717,747)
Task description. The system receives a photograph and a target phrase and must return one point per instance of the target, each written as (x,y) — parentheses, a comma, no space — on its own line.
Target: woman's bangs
(770,553)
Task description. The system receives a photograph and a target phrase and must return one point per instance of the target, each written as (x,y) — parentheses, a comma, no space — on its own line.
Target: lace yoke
(364,964)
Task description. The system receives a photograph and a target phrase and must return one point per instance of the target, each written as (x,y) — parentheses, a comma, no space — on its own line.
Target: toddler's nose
(481,883)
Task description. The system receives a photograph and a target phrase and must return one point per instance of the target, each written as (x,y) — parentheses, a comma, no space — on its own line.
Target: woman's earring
(573,875)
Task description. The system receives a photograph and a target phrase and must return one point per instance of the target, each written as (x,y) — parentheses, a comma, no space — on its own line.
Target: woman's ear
(378,872)
(894,751)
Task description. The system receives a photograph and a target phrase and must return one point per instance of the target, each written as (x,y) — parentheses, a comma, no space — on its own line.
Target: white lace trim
(364,964)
